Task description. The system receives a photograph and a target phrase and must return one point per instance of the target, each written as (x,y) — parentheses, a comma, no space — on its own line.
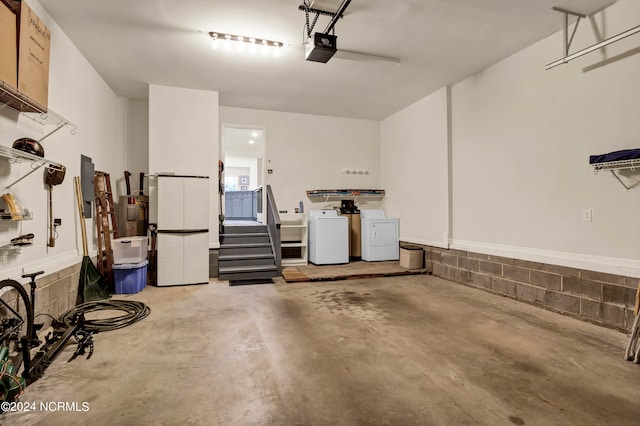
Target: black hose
(134,312)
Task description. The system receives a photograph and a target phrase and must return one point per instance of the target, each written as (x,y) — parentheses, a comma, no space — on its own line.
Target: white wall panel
(183,139)
(414,169)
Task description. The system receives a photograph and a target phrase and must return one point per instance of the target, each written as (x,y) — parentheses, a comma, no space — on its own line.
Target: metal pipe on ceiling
(337,16)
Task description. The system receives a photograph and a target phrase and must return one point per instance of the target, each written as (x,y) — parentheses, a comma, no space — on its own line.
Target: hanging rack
(613,166)
(10,97)
(567,41)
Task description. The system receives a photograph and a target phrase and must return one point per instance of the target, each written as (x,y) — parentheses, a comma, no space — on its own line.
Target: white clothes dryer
(380,236)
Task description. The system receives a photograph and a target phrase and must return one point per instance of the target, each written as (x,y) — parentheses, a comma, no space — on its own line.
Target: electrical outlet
(587,215)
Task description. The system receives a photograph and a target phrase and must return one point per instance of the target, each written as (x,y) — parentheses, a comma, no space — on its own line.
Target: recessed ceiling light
(254,134)
(252,142)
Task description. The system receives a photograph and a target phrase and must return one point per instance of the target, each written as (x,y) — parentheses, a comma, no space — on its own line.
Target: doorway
(244,150)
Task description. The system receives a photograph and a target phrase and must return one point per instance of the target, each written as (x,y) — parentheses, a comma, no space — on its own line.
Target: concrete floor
(414,350)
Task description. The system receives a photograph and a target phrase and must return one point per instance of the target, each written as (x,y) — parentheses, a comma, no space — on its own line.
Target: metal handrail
(273,226)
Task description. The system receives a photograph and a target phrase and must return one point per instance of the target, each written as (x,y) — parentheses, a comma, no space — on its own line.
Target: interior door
(170,255)
(196,203)
(196,258)
(170,203)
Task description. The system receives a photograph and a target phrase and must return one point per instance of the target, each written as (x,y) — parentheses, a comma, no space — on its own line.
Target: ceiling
(237,142)
(136,43)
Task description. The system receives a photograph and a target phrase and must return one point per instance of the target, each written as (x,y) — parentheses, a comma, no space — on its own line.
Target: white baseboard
(610,265)
(439,244)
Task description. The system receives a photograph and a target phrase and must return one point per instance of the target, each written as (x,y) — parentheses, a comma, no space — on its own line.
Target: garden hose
(134,312)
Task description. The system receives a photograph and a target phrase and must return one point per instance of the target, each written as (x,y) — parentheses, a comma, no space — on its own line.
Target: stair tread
(239,269)
(245,256)
(244,245)
(248,234)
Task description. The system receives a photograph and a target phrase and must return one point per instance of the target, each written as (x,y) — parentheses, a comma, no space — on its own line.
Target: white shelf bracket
(565,20)
(567,41)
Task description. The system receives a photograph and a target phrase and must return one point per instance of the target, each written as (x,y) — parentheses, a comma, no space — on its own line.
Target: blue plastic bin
(130,277)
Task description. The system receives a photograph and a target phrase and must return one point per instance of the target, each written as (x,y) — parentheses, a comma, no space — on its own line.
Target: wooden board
(293,275)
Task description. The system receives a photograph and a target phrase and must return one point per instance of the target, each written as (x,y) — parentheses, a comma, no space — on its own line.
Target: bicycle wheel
(16,315)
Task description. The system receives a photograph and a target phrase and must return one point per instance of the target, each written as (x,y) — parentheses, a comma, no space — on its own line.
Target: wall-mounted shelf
(7,217)
(10,97)
(628,159)
(327,195)
(617,165)
(17,156)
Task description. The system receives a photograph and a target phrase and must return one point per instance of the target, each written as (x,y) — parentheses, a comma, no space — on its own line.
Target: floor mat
(250,282)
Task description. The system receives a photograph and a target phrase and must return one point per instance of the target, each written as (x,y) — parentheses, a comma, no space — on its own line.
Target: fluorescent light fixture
(245,43)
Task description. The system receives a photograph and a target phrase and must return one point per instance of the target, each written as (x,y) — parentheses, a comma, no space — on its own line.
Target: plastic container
(128,250)
(130,278)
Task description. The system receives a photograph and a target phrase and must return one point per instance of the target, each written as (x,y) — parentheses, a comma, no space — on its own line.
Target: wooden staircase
(246,254)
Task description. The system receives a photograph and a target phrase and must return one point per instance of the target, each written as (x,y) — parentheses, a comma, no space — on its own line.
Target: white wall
(183,139)
(308,152)
(521,141)
(79,94)
(414,170)
(135,113)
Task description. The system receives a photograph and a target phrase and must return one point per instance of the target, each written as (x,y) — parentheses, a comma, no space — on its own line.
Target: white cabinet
(183,230)
(183,203)
(293,236)
(183,258)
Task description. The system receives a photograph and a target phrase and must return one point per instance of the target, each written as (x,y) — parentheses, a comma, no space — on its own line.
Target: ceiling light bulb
(240,44)
(227,43)
(254,134)
(252,48)
(251,142)
(265,47)
(276,49)
(214,43)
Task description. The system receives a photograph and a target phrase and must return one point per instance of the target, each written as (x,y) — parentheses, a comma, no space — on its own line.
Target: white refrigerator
(183,230)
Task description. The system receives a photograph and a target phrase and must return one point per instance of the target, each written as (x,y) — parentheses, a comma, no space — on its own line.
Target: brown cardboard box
(8,47)
(412,257)
(33,56)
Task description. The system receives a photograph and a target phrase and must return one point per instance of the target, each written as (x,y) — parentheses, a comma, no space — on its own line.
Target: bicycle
(17,334)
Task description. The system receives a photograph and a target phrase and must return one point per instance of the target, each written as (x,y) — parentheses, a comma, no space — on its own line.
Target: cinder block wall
(55,293)
(600,298)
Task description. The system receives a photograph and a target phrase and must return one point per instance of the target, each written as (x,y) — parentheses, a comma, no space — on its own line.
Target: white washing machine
(328,237)
(380,236)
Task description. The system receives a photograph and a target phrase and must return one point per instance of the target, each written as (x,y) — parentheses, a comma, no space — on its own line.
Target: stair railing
(273,226)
